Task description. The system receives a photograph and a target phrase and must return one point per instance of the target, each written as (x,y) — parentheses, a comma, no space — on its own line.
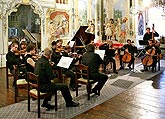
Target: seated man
(151,52)
(93,61)
(69,72)
(44,70)
(129,49)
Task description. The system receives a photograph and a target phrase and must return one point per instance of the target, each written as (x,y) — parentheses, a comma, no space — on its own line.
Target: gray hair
(47,51)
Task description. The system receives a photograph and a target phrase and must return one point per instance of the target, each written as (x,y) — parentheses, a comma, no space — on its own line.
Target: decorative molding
(13,5)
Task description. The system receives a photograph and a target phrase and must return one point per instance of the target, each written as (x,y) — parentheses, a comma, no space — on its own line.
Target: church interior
(134,89)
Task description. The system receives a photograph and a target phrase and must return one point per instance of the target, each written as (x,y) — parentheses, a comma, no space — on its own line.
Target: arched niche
(12,6)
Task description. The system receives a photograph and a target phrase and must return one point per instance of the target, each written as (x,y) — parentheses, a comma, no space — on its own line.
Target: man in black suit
(44,70)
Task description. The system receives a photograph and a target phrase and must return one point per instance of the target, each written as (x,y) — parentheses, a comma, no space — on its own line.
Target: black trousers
(70,74)
(108,59)
(57,86)
(100,79)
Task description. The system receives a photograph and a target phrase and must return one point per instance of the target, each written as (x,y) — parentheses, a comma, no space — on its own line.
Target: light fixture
(134,10)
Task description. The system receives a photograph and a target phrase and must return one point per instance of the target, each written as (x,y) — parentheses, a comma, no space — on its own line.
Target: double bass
(148,60)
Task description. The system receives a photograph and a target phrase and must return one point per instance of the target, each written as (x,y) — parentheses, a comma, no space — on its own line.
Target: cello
(148,60)
(126,57)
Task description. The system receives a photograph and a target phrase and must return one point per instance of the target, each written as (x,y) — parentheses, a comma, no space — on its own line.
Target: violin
(148,60)
(20,52)
(59,49)
(126,57)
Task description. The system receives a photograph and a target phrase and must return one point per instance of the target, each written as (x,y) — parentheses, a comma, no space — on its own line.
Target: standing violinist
(153,51)
(129,49)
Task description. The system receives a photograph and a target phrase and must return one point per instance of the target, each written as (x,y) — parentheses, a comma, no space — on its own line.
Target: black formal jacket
(44,70)
(12,59)
(92,60)
(147,36)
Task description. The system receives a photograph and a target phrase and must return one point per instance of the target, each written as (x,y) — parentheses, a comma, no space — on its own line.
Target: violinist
(110,52)
(128,57)
(29,60)
(56,54)
(12,59)
(152,51)
(69,72)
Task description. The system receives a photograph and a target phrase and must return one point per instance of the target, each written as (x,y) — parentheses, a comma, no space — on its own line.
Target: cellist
(128,54)
(151,50)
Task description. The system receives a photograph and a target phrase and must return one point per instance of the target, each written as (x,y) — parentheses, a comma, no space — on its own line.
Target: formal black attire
(147,36)
(12,59)
(157,52)
(29,68)
(132,50)
(109,56)
(56,56)
(44,70)
(93,61)
(69,72)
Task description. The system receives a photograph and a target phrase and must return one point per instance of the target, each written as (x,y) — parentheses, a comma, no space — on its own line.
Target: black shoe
(95,92)
(146,69)
(130,67)
(48,106)
(121,68)
(115,72)
(72,88)
(72,104)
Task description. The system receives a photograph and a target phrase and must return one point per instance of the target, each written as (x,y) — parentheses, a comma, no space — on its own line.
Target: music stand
(143,43)
(133,65)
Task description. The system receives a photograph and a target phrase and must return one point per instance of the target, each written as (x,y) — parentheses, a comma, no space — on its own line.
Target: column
(96,21)
(101,18)
(89,10)
(76,15)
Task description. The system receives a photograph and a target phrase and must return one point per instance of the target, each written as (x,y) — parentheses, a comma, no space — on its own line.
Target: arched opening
(24,18)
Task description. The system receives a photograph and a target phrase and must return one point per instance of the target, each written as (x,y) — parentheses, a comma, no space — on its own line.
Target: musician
(13,59)
(148,48)
(149,35)
(29,60)
(93,60)
(56,54)
(44,70)
(129,48)
(69,72)
(109,55)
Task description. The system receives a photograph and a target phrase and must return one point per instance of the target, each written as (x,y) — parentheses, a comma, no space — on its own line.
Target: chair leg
(7,79)
(16,93)
(88,91)
(56,100)
(39,108)
(28,102)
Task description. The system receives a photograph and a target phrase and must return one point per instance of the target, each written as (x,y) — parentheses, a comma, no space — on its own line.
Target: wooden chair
(33,91)
(82,77)
(20,83)
(8,74)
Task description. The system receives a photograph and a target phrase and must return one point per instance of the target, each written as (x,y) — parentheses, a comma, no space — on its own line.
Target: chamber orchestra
(117,56)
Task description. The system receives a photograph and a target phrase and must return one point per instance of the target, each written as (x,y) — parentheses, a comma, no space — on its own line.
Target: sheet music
(101,53)
(71,43)
(65,62)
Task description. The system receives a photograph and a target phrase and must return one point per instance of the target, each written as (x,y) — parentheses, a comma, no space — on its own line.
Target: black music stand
(133,65)
(143,43)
